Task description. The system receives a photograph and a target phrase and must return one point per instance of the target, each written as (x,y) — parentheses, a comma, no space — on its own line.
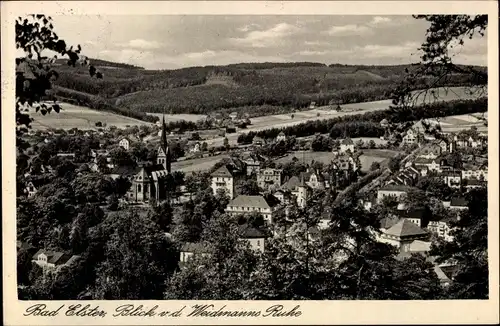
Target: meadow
(73,116)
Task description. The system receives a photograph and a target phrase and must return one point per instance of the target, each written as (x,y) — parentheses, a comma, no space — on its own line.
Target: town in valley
(258,194)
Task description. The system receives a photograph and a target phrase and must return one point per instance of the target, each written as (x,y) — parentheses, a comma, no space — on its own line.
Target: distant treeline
(270,88)
(368,124)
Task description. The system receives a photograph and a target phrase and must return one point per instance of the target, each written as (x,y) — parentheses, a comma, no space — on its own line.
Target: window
(139,188)
(258,243)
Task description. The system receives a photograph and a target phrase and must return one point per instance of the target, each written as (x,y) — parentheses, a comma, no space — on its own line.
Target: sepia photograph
(252,157)
(249,158)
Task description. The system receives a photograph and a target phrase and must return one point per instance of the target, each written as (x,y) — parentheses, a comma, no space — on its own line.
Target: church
(149,183)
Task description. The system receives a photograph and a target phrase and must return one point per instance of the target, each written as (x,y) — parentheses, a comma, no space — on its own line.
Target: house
(410,137)
(252,162)
(312,105)
(395,191)
(244,204)
(452,179)
(223,179)
(474,171)
(281,137)
(445,273)
(233,115)
(419,217)
(346,163)
(258,141)
(444,144)
(432,164)
(53,259)
(415,247)
(191,249)
(32,187)
(474,183)
(459,203)
(346,145)
(402,234)
(269,178)
(430,151)
(314,179)
(441,228)
(299,189)
(256,237)
(126,142)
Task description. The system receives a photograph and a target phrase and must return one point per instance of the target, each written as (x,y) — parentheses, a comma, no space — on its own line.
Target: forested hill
(262,88)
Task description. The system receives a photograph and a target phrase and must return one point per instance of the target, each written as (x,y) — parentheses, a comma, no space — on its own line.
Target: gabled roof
(420,246)
(281,133)
(405,228)
(249,201)
(53,257)
(223,171)
(125,170)
(250,232)
(293,183)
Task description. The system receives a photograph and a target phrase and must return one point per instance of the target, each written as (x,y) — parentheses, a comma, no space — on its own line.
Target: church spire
(164,155)
(164,135)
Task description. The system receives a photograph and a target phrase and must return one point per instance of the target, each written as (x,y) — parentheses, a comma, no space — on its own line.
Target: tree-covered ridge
(286,86)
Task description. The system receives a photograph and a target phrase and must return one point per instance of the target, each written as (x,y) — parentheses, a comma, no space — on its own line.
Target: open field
(199,164)
(285,120)
(466,121)
(73,116)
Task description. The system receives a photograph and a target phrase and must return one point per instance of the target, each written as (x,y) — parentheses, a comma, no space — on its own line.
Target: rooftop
(249,201)
(223,171)
(405,228)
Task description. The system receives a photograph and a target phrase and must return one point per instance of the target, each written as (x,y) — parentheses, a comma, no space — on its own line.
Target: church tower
(164,156)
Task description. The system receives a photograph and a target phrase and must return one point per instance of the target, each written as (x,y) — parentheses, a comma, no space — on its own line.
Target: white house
(347,145)
(124,143)
(244,204)
(402,234)
(254,236)
(223,179)
(452,179)
(191,249)
(392,191)
(281,137)
(52,259)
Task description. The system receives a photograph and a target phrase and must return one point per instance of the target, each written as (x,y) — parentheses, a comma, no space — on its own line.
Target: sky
(169,42)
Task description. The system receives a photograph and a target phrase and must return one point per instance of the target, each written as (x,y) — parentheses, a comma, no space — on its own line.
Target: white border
(313,312)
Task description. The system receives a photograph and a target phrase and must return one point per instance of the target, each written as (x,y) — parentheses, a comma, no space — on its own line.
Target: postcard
(250,162)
